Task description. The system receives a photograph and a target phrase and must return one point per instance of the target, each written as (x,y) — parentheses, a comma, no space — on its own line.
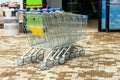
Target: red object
(26,8)
(47,7)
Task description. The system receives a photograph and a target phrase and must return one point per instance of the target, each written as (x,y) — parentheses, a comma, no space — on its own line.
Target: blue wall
(114,14)
(114,21)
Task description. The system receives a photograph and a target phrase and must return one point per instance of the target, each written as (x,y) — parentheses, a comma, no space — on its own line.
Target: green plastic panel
(34,21)
(33,2)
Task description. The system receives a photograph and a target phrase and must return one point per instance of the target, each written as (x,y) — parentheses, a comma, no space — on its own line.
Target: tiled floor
(101,62)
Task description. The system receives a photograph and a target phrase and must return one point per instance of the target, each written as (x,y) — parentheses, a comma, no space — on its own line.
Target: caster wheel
(20,62)
(77,54)
(28,60)
(62,60)
(55,62)
(72,55)
(40,57)
(82,52)
(67,56)
(49,63)
(33,59)
(43,66)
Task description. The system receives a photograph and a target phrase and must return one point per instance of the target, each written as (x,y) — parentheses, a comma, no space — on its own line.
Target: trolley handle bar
(17,10)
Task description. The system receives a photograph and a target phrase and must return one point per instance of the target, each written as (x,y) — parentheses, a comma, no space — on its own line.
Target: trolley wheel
(43,66)
(82,52)
(20,62)
(72,55)
(55,62)
(62,60)
(40,57)
(28,60)
(49,63)
(77,54)
(33,59)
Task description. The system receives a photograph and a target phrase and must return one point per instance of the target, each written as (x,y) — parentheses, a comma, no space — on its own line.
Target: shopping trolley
(51,35)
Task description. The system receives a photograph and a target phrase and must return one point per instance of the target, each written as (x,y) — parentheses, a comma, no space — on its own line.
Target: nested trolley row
(51,36)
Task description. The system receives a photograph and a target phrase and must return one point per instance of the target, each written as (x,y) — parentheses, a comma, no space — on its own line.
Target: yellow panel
(37,31)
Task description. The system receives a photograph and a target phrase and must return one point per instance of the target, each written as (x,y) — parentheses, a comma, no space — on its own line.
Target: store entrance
(85,7)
